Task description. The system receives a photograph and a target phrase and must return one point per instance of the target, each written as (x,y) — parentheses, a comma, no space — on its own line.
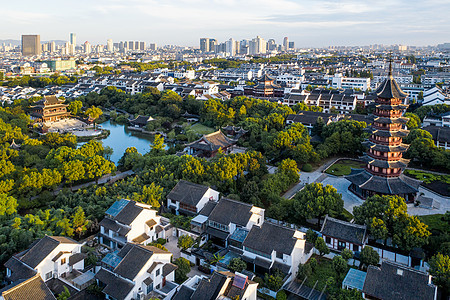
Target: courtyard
(74,126)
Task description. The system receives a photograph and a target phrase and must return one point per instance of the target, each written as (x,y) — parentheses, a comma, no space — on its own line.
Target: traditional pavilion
(209,144)
(49,108)
(384,157)
(266,88)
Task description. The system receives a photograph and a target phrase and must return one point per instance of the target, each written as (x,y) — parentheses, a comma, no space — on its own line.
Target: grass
(343,167)
(201,129)
(323,271)
(437,183)
(435,223)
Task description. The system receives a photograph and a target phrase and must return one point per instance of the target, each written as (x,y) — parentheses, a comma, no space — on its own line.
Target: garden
(344,167)
(437,183)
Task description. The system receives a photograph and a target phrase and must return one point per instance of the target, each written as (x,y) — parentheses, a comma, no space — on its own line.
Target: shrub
(307,168)
(313,263)
(304,271)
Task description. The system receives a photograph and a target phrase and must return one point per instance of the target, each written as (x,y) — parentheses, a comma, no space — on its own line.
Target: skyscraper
(87,47)
(204,45)
(73,39)
(230,47)
(286,44)
(109,45)
(291,45)
(212,45)
(31,45)
(153,47)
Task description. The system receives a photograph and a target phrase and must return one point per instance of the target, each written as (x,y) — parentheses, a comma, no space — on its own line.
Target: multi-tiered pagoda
(384,157)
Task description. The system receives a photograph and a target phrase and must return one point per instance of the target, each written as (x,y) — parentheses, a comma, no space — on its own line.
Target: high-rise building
(286,43)
(271,45)
(230,47)
(109,45)
(142,46)
(87,47)
(130,45)
(204,45)
(291,45)
(153,47)
(52,47)
(258,46)
(31,45)
(212,45)
(73,39)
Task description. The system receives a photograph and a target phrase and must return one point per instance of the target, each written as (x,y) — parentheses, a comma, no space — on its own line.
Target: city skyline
(183,22)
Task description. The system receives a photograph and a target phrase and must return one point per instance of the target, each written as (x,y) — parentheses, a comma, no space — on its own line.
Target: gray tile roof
(270,237)
(31,289)
(34,256)
(133,262)
(128,213)
(187,192)
(231,211)
(184,293)
(345,231)
(394,281)
(18,269)
(209,289)
(116,287)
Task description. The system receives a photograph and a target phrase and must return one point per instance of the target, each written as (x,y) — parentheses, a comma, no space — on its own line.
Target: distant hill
(18,42)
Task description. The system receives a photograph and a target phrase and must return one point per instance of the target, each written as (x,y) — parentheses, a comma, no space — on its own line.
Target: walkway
(309,177)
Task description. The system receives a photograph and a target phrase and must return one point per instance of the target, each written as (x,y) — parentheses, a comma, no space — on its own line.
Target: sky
(309,23)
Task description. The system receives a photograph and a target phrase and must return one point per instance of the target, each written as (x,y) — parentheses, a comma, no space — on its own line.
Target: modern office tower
(31,45)
(130,45)
(212,45)
(44,47)
(136,45)
(286,44)
(271,45)
(153,47)
(291,45)
(73,39)
(204,45)
(109,45)
(87,47)
(52,47)
(142,46)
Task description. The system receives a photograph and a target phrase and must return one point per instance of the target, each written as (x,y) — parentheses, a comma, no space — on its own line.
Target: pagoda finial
(390,65)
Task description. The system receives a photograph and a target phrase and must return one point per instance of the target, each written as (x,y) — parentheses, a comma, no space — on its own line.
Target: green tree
(273,281)
(185,242)
(74,171)
(98,166)
(64,295)
(311,236)
(6,167)
(8,205)
(94,113)
(150,195)
(75,107)
(340,265)
(184,267)
(158,143)
(316,200)
(321,246)
(290,168)
(237,265)
(79,221)
(440,270)
(413,122)
(281,295)
(346,254)
(369,256)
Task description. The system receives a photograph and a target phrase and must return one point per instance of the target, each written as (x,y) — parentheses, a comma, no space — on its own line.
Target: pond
(121,138)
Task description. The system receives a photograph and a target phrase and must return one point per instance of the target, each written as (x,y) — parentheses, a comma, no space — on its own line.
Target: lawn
(437,183)
(201,129)
(343,167)
(435,223)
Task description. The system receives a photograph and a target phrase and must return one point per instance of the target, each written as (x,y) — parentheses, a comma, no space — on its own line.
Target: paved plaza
(74,126)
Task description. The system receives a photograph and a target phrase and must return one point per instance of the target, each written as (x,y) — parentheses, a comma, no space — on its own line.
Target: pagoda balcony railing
(386,158)
(381,113)
(388,102)
(386,143)
(387,126)
(378,173)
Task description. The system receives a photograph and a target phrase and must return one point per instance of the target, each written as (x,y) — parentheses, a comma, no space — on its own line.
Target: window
(48,275)
(279,255)
(328,240)
(355,248)
(158,272)
(63,261)
(341,245)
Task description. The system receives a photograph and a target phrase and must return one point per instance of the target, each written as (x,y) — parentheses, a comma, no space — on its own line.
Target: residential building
(440,134)
(228,215)
(190,198)
(340,235)
(109,45)
(49,257)
(434,96)
(58,65)
(341,82)
(33,288)
(269,247)
(395,281)
(135,271)
(221,286)
(129,221)
(31,45)
(204,45)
